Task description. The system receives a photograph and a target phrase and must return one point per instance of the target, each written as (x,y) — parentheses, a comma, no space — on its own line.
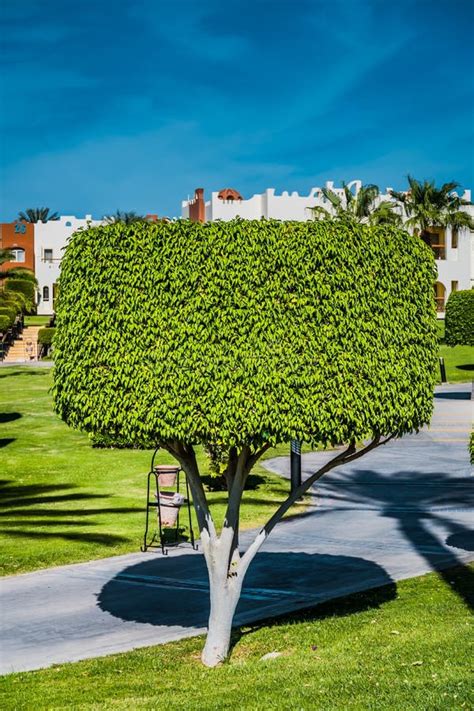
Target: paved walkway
(401,511)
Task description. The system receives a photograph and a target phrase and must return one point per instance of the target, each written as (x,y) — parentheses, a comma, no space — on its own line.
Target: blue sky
(132,104)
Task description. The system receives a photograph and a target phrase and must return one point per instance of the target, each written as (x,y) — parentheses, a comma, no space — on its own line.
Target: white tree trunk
(224,598)
(225,586)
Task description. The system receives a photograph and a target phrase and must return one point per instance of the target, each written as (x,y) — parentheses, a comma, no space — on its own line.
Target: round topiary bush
(45,336)
(459,319)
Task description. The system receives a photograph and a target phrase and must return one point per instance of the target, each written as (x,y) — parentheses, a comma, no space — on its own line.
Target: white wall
(458,265)
(53,235)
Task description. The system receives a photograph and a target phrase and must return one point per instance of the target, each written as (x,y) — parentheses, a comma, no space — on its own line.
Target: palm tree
(38,214)
(6,255)
(126,217)
(22,273)
(427,207)
(359,208)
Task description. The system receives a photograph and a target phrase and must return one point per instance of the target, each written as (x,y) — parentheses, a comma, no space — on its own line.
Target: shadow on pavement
(453,395)
(420,504)
(462,539)
(174,591)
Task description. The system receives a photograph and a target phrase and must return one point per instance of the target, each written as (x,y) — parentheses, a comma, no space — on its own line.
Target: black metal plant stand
(161,505)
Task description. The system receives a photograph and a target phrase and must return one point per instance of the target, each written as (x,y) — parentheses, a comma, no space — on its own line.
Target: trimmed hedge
(5,323)
(45,336)
(459,318)
(245,332)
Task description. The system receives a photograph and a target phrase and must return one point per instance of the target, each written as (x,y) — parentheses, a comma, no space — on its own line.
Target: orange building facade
(19,238)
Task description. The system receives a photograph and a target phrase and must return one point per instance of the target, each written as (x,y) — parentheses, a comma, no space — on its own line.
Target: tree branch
(186,457)
(348,455)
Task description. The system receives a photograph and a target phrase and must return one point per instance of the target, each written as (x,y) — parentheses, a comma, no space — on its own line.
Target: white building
(454,251)
(50,241)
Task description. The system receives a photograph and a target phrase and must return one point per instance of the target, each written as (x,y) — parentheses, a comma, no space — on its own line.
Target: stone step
(17,351)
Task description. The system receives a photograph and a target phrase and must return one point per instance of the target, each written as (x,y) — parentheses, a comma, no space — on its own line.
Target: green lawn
(390,649)
(37,320)
(65,502)
(459,360)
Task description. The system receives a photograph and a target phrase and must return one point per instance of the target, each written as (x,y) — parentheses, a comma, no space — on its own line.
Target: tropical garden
(66,510)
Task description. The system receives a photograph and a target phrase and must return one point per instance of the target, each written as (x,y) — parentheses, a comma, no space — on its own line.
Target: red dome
(229,194)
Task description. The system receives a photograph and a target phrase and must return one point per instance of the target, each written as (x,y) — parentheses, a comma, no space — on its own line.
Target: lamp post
(295,464)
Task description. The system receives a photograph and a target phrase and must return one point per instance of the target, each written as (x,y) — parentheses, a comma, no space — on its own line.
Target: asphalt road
(400,511)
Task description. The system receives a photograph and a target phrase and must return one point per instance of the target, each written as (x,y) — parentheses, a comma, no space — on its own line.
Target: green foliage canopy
(245,332)
(459,319)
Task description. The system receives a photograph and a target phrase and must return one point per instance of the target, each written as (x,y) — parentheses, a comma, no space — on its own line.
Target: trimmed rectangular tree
(238,336)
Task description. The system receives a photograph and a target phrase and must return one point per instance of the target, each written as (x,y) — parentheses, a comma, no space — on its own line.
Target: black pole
(442,369)
(295,464)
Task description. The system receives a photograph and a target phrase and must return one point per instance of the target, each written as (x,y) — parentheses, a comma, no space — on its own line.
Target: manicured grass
(459,362)
(37,320)
(389,649)
(65,502)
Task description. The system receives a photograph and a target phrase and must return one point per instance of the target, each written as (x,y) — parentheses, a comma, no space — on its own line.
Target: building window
(45,293)
(68,224)
(454,286)
(454,238)
(440,296)
(436,239)
(18,254)
(48,255)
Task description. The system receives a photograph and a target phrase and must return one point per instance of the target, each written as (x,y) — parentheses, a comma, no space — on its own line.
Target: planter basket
(166,506)
(167,474)
(169,510)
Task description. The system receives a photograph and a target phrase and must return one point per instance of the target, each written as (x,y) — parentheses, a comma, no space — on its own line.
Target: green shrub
(22,286)
(471,447)
(9,298)
(5,323)
(460,318)
(9,312)
(245,332)
(45,336)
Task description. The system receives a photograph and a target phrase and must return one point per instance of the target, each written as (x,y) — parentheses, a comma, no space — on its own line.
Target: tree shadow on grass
(466,366)
(174,590)
(31,507)
(26,371)
(9,417)
(105,539)
(5,441)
